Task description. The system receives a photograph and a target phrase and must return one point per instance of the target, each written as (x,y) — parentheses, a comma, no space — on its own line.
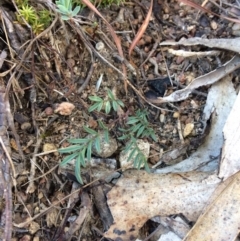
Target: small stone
(236,26)
(99,46)
(123,158)
(176,115)
(194,104)
(107,149)
(214,25)
(162,118)
(49,111)
(25,126)
(49,147)
(188,129)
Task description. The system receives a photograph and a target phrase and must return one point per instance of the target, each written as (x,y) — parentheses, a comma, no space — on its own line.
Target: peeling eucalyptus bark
(5,179)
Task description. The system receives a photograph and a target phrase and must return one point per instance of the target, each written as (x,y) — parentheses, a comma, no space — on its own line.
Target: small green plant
(65,8)
(110,102)
(81,150)
(38,20)
(135,154)
(28,13)
(21,2)
(137,127)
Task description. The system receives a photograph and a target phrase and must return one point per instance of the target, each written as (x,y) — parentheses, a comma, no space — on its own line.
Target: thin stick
(9,159)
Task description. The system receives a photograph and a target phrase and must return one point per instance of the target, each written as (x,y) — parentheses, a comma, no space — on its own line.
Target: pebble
(123,158)
(214,25)
(99,46)
(25,126)
(176,115)
(236,26)
(49,147)
(162,118)
(194,104)
(107,149)
(49,111)
(188,129)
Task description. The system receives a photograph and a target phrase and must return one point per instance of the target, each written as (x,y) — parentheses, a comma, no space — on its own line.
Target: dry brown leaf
(221,219)
(139,196)
(230,154)
(141,30)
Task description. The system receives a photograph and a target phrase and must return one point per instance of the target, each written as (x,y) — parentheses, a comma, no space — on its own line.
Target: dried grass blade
(112,32)
(114,36)
(141,30)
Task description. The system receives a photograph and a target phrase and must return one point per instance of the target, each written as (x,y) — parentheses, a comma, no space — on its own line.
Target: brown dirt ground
(58,67)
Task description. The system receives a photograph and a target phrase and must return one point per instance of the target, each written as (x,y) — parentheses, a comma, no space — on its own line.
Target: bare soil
(62,65)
